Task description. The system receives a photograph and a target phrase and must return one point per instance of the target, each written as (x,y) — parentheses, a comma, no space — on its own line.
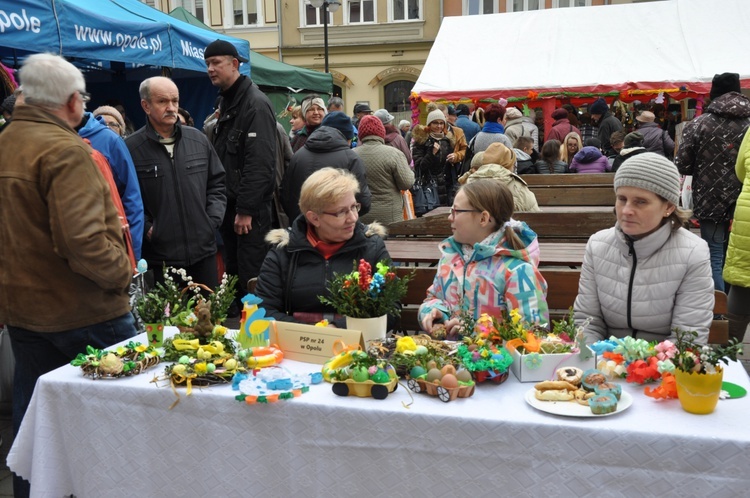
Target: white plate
(572,408)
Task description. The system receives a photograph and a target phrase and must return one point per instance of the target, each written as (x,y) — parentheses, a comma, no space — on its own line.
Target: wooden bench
(603,179)
(575,225)
(562,289)
(572,189)
(573,195)
(412,250)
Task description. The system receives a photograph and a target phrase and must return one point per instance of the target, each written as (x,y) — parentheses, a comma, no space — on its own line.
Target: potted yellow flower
(698,372)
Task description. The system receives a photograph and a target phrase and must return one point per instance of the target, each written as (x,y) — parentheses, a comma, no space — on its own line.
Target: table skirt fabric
(119,438)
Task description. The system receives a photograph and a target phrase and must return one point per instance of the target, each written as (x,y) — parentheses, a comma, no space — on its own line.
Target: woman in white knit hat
(647,275)
(432,143)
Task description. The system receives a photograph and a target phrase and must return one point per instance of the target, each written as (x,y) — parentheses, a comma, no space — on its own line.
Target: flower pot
(698,392)
(373,329)
(155,334)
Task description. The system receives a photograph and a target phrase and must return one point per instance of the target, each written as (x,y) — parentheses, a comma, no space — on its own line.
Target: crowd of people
(292,208)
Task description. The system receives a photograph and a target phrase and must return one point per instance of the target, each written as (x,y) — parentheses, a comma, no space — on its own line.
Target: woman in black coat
(326,238)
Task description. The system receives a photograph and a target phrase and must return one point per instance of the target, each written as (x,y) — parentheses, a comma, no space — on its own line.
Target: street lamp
(328,6)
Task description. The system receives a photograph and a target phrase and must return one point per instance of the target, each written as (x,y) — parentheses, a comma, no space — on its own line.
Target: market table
(119,438)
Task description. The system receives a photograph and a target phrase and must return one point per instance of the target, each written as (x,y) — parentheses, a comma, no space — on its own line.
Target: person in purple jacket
(589,160)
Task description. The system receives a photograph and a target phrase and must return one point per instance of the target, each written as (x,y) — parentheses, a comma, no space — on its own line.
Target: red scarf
(327,249)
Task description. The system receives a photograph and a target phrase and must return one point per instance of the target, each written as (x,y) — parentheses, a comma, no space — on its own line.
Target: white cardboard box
(525,371)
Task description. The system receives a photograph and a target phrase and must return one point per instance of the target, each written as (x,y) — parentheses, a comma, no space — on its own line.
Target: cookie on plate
(570,374)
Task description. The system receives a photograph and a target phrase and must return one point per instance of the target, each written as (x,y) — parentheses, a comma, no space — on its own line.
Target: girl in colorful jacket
(489,265)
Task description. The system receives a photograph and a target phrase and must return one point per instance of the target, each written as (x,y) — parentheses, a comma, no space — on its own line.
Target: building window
(477,7)
(571,3)
(313,17)
(360,11)
(195,7)
(245,13)
(397,95)
(405,10)
(521,5)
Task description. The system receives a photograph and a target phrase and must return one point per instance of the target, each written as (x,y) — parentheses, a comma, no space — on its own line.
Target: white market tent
(622,51)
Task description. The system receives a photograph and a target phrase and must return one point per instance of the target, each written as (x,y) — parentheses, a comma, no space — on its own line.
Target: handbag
(424,192)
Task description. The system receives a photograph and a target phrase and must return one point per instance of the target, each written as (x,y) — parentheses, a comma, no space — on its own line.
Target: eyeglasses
(455,211)
(354,208)
(114,125)
(85,96)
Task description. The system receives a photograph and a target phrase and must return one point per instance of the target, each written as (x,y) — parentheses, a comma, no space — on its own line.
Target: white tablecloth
(119,438)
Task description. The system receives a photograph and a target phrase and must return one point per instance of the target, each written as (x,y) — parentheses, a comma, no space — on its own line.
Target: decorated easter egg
(463,375)
(230,364)
(210,367)
(421,350)
(417,371)
(360,374)
(179,369)
(380,377)
(184,359)
(448,369)
(391,371)
(449,381)
(431,364)
(433,375)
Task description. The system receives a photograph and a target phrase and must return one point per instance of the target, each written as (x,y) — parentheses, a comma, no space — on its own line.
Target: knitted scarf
(490,127)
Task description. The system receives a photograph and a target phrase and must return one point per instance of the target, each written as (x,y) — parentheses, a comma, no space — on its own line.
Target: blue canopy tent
(107,30)
(117,43)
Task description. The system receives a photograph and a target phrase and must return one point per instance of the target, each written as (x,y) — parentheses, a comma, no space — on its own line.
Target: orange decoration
(531,345)
(666,390)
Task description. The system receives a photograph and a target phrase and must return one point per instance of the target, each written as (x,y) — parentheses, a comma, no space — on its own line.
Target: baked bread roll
(553,395)
(555,385)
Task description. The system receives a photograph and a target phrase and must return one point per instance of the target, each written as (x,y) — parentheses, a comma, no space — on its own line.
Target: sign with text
(311,344)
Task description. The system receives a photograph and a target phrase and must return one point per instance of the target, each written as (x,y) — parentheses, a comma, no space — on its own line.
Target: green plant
(151,307)
(223,298)
(168,302)
(701,358)
(362,294)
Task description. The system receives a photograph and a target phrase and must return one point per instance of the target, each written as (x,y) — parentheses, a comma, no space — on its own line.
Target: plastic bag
(7,365)
(408,205)
(687,193)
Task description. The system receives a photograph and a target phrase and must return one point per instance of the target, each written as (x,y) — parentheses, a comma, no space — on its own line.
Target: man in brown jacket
(64,269)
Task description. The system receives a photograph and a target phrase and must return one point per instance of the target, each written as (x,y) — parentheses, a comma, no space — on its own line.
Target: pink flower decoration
(666,350)
(372,370)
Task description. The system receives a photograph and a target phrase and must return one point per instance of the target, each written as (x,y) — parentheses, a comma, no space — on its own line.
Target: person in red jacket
(561,127)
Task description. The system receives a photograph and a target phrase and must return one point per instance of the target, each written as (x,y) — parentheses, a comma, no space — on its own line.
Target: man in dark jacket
(469,127)
(244,136)
(708,151)
(607,122)
(327,146)
(182,185)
